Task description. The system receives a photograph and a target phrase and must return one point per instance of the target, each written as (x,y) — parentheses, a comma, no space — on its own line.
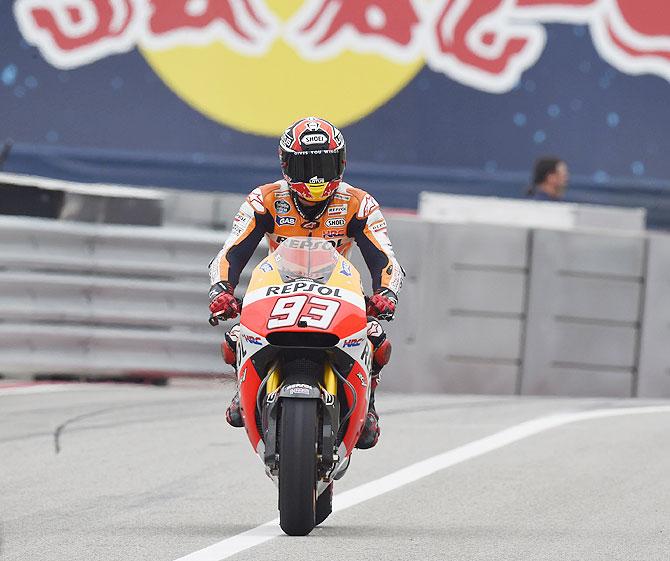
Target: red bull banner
(443,95)
(200,47)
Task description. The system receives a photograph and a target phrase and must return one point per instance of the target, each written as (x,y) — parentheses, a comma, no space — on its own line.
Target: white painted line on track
(265,532)
(47,388)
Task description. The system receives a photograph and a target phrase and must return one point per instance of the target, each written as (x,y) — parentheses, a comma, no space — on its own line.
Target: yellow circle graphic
(264,94)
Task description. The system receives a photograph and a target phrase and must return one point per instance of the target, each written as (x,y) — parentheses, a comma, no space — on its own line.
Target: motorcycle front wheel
(297,466)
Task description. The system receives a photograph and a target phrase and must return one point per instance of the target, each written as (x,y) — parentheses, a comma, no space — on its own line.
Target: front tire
(297,466)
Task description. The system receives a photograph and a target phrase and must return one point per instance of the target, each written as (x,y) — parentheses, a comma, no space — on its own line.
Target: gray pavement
(140,473)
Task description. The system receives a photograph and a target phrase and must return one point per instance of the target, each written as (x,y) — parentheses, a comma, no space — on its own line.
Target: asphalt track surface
(131,473)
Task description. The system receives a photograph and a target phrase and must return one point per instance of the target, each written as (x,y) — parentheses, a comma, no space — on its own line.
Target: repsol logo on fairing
(300,286)
(327,234)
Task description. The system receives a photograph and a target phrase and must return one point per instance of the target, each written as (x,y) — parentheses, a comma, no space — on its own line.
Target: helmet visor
(313,167)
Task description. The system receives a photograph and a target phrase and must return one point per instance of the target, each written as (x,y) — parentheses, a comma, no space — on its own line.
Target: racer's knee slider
(382,355)
(228,353)
(381,346)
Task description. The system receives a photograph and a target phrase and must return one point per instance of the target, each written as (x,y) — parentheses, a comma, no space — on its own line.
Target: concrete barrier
(441,207)
(584,300)
(654,363)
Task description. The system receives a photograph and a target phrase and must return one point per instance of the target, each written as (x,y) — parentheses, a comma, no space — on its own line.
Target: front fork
(326,391)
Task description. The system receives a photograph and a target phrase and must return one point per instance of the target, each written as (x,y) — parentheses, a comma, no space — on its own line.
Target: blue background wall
(115,121)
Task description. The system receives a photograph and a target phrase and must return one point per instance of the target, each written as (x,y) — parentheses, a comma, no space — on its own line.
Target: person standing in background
(4,153)
(550,179)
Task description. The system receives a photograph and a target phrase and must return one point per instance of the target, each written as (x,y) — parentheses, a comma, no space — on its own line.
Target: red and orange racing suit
(349,215)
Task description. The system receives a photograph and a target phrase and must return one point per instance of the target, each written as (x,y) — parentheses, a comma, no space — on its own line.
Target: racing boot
(229,352)
(382,353)
(234,413)
(371,431)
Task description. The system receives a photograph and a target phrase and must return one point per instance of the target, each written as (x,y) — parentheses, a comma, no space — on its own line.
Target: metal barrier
(105,299)
(485,309)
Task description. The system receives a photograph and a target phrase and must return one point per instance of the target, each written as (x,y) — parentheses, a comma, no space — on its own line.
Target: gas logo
(256,65)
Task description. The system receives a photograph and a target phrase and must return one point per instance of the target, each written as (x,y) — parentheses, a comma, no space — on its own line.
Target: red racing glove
(382,304)
(223,305)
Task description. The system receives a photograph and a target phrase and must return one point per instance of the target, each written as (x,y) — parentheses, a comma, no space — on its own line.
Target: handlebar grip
(214,320)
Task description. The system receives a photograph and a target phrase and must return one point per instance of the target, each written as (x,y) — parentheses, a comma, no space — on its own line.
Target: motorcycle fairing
(353,350)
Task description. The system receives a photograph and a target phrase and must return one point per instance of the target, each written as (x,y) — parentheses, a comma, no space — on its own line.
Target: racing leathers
(349,215)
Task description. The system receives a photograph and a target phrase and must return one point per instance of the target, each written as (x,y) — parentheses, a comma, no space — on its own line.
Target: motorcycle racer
(311,200)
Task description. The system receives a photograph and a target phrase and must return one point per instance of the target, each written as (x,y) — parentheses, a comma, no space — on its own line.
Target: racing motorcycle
(303,367)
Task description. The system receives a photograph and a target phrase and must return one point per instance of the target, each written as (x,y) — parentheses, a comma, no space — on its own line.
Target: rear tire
(324,504)
(297,466)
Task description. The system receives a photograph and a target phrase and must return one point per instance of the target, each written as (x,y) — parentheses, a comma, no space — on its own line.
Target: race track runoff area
(134,473)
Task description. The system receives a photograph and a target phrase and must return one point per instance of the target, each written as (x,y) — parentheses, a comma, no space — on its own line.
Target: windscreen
(306,258)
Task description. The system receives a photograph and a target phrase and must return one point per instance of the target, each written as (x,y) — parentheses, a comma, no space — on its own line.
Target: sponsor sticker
(252,340)
(335,222)
(301,286)
(282,207)
(306,243)
(366,356)
(379,226)
(349,343)
(315,138)
(362,379)
(396,284)
(285,221)
(302,389)
(338,209)
(342,197)
(266,267)
(336,243)
(375,329)
(255,199)
(346,269)
(368,205)
(310,225)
